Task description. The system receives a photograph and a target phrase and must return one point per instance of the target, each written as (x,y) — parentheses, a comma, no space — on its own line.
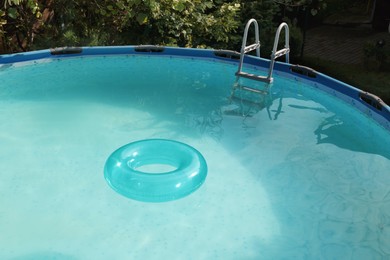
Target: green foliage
(264,12)
(376,55)
(270,13)
(11,2)
(314,6)
(18,23)
(296,36)
(36,24)
(168,22)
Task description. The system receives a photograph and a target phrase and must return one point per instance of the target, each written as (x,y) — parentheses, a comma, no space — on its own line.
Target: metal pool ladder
(256,46)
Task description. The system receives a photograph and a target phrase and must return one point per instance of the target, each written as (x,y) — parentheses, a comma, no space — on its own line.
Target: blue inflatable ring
(122,174)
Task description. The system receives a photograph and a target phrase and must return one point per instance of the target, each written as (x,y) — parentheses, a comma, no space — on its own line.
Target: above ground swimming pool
(298,170)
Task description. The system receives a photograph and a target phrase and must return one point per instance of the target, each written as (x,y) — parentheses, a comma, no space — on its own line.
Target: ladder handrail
(285,51)
(256,45)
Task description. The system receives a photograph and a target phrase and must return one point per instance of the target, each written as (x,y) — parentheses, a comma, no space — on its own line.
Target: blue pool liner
(367,103)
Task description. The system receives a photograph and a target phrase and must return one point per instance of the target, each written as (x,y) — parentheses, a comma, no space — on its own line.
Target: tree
(264,12)
(19,21)
(39,24)
(314,6)
(195,23)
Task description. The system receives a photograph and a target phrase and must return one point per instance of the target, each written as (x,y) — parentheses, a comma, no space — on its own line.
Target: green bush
(189,23)
(37,24)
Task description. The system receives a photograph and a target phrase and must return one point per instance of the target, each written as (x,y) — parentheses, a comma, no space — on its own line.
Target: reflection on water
(247,100)
(209,124)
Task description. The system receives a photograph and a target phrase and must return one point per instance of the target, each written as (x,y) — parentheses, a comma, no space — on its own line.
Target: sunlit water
(295,175)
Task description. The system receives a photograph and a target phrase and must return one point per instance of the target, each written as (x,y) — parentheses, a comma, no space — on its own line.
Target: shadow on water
(319,208)
(333,130)
(318,109)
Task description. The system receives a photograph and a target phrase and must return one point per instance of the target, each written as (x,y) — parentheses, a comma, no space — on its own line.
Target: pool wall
(369,104)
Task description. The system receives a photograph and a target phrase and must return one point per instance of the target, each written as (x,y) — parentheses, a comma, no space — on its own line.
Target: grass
(375,81)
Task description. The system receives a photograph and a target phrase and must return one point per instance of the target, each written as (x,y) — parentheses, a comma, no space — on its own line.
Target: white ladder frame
(256,46)
(245,49)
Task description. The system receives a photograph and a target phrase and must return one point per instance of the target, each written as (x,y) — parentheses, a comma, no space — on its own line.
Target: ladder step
(251,47)
(281,52)
(259,91)
(254,77)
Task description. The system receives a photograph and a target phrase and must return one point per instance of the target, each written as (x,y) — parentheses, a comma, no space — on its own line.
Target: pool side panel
(24,56)
(367,103)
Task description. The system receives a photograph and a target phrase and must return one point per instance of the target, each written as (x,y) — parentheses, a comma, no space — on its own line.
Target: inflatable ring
(123,171)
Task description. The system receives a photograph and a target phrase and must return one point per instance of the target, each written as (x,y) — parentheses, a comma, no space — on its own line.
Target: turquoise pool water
(297,174)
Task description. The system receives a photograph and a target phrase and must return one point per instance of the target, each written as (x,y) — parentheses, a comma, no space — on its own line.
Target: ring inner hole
(156,168)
